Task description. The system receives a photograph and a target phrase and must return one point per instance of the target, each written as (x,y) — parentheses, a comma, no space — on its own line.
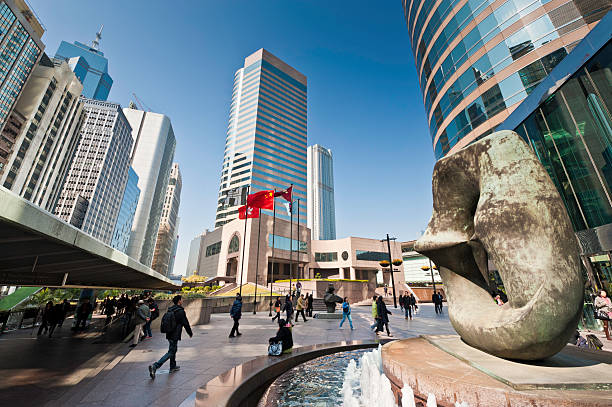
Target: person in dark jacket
(142,316)
(47,316)
(288,308)
(65,307)
(154,314)
(309,307)
(173,337)
(83,313)
(284,336)
(109,311)
(383,316)
(277,308)
(236,314)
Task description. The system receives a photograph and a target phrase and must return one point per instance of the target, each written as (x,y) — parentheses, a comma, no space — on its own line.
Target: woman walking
(346,313)
(603,311)
(277,308)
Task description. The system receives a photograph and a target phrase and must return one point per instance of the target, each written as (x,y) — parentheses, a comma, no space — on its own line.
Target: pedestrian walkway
(126,382)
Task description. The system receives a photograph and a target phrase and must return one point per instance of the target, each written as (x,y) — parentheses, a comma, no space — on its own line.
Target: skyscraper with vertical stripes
(266,139)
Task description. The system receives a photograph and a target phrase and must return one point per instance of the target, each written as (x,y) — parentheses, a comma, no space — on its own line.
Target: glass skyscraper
(321,206)
(265,146)
(20,50)
(89,65)
(478,59)
(123,227)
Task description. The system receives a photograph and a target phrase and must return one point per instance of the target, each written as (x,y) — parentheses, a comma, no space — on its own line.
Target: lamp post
(426,268)
(391,267)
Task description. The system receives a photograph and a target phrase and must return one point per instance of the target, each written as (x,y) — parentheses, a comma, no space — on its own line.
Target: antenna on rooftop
(139,104)
(96,43)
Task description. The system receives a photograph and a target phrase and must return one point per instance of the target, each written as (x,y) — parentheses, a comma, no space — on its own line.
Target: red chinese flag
(262,199)
(252,212)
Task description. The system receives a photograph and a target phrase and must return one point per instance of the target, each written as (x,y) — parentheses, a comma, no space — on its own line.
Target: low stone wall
(356,291)
(424,293)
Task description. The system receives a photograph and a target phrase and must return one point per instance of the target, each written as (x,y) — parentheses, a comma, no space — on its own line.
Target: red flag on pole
(287,194)
(262,199)
(251,212)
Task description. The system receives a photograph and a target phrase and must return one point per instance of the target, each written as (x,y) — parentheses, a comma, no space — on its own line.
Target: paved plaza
(110,375)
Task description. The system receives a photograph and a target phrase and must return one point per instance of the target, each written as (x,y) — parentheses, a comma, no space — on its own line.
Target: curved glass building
(478,59)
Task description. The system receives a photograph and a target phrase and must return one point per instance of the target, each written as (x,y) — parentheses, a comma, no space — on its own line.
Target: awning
(38,249)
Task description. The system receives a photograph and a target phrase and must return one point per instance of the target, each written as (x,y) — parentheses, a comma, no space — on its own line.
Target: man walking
(65,307)
(172,324)
(154,314)
(309,300)
(437,300)
(236,314)
(83,313)
(288,308)
(301,303)
(383,316)
(143,315)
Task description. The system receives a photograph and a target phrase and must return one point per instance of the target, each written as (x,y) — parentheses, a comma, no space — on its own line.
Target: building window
(371,256)
(234,245)
(283,243)
(213,249)
(332,256)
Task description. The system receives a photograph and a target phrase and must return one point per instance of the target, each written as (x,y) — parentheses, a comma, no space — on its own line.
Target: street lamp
(426,268)
(390,266)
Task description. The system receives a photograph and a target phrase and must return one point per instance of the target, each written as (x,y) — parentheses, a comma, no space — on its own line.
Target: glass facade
(265,146)
(331,256)
(123,227)
(321,205)
(19,52)
(371,256)
(477,60)
(284,243)
(213,249)
(571,133)
(90,66)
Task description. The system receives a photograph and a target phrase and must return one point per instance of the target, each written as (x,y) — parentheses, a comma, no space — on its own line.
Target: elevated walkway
(38,249)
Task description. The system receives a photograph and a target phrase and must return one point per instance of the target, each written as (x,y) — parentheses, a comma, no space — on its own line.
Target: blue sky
(363,96)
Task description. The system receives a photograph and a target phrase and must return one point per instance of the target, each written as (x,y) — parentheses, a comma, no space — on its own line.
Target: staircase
(318,305)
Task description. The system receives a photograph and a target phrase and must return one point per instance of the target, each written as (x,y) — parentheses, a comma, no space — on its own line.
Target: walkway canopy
(38,249)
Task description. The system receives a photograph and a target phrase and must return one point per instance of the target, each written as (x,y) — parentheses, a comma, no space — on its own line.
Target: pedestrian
(301,305)
(83,311)
(383,316)
(400,300)
(288,308)
(386,289)
(412,305)
(236,314)
(346,313)
(309,300)
(374,312)
(46,318)
(277,308)
(283,335)
(172,325)
(109,311)
(65,307)
(407,307)
(439,303)
(603,311)
(143,315)
(53,318)
(298,289)
(154,314)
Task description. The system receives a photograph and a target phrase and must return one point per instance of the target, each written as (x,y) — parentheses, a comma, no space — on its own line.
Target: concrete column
(353,273)
(341,269)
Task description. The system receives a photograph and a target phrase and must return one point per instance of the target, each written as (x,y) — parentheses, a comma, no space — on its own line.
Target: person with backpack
(172,324)
(346,313)
(143,315)
(154,314)
(236,314)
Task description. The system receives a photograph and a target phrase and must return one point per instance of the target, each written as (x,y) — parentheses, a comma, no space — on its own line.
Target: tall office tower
(123,226)
(195,249)
(265,146)
(478,60)
(90,66)
(20,50)
(92,193)
(321,207)
(152,156)
(44,147)
(168,223)
(174,248)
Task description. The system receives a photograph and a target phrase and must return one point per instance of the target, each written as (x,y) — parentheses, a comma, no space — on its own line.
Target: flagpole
(273,232)
(246,219)
(297,255)
(290,243)
(257,262)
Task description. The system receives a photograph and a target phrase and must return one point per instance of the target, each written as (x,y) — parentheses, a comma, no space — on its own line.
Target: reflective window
(371,256)
(322,257)
(234,245)
(284,243)
(213,249)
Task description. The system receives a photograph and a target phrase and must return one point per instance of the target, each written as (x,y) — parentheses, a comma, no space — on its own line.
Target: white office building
(321,207)
(152,156)
(168,224)
(44,147)
(93,191)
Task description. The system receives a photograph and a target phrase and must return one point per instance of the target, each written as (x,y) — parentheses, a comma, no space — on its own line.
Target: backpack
(275,349)
(168,322)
